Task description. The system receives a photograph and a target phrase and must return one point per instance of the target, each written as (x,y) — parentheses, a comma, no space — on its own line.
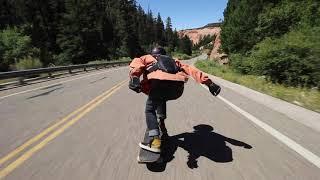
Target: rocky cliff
(210,29)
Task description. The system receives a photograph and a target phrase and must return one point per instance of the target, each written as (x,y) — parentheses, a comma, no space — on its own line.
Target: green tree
(240,20)
(8,13)
(277,20)
(41,20)
(169,35)
(13,47)
(77,31)
(84,34)
(151,33)
(205,40)
(185,45)
(142,29)
(159,31)
(175,40)
(274,38)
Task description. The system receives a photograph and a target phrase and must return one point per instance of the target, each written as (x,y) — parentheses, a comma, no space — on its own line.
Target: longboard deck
(146,156)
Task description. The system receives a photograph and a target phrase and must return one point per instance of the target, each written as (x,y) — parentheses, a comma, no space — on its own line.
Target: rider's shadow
(201,142)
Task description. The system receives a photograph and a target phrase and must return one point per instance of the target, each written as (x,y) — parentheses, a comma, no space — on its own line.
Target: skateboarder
(163,80)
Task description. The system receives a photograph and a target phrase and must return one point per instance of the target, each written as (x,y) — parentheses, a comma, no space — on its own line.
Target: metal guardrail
(32,72)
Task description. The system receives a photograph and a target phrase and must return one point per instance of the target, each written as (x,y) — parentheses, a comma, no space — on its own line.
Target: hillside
(211,29)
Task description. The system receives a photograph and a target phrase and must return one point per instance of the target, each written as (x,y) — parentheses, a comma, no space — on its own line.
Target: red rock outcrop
(196,34)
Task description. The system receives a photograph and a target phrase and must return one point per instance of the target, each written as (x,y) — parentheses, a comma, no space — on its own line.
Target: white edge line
(308,155)
(61,82)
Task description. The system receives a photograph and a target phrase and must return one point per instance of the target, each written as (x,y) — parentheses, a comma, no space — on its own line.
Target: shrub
(28,63)
(14,46)
(240,63)
(181,56)
(293,59)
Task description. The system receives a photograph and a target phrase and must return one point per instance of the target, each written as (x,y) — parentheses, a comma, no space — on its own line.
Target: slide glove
(214,89)
(134,84)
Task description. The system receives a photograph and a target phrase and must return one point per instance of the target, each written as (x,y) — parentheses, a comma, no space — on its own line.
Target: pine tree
(185,45)
(175,40)
(169,35)
(8,13)
(77,31)
(41,20)
(241,18)
(159,30)
(141,21)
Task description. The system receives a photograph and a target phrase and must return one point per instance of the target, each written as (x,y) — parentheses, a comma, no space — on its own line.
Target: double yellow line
(55,130)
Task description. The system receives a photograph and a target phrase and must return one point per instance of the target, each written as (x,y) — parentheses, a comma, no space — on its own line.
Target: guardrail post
(21,80)
(85,69)
(50,75)
(70,71)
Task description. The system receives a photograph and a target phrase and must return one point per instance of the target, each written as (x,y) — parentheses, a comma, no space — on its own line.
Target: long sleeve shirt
(139,65)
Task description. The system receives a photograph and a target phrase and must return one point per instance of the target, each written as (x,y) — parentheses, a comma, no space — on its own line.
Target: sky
(187,14)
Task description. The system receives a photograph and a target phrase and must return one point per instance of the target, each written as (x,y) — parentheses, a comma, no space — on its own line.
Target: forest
(36,33)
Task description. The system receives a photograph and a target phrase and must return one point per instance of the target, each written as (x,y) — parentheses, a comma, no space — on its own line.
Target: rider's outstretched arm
(195,73)
(237,143)
(200,77)
(137,66)
(136,69)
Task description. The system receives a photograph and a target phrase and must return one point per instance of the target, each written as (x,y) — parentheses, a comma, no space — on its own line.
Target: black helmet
(158,51)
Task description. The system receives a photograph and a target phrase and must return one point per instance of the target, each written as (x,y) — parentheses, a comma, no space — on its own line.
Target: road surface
(88,126)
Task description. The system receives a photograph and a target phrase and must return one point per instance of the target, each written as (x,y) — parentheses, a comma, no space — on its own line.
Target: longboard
(146,156)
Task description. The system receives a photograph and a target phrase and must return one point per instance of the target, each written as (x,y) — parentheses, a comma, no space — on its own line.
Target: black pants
(161,92)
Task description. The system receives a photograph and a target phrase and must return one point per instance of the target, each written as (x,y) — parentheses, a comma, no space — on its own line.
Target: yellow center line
(54,126)
(56,133)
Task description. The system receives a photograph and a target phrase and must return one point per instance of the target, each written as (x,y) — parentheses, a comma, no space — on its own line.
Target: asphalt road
(88,126)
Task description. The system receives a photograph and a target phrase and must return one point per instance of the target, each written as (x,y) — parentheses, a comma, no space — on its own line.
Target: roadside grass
(13,80)
(104,61)
(7,80)
(307,98)
(181,56)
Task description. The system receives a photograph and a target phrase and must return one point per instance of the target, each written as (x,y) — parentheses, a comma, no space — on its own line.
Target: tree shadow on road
(45,93)
(201,142)
(100,79)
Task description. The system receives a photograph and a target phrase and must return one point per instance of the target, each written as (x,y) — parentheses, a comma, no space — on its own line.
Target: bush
(181,56)
(196,53)
(113,60)
(28,63)
(240,63)
(14,46)
(124,59)
(61,59)
(293,59)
